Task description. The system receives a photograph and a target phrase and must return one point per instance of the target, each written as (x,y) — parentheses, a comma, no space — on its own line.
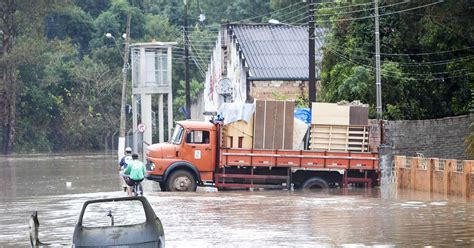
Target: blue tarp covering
(303,114)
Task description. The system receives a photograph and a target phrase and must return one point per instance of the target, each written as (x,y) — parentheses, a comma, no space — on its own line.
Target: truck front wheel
(181,180)
(314,184)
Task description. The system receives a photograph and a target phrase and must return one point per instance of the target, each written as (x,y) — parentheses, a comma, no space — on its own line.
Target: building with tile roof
(259,61)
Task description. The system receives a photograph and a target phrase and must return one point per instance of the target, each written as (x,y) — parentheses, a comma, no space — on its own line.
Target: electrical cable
(385,14)
(363,10)
(269,13)
(386,74)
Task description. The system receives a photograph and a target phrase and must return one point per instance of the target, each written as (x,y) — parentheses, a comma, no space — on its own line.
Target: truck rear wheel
(181,180)
(314,184)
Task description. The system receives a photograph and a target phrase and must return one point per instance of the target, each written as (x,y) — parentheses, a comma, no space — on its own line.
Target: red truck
(194,156)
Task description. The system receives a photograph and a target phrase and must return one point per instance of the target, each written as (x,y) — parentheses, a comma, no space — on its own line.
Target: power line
(293,11)
(385,14)
(268,14)
(299,20)
(388,74)
(430,53)
(411,74)
(363,10)
(291,20)
(343,7)
(411,64)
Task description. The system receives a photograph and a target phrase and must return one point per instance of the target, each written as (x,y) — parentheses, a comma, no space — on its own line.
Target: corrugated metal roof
(276,51)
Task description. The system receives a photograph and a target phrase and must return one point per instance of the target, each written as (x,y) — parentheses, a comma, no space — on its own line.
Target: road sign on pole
(141,127)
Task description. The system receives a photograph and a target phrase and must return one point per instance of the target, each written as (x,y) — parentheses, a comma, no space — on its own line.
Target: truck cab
(187,159)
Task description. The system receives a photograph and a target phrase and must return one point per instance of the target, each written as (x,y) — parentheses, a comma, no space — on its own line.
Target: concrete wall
(448,177)
(442,138)
(197,108)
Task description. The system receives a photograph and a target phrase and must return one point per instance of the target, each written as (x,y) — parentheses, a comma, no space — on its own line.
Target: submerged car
(142,229)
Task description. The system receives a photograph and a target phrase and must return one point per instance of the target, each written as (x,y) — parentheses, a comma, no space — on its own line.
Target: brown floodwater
(57,186)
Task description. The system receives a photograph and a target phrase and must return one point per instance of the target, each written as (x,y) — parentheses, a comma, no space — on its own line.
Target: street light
(121,141)
(110,36)
(273,21)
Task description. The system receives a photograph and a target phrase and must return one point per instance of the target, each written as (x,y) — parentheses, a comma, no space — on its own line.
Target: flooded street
(348,218)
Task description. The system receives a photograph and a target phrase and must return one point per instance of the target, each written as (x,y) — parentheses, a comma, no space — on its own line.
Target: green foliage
(43,99)
(180,100)
(421,78)
(70,74)
(159,28)
(72,23)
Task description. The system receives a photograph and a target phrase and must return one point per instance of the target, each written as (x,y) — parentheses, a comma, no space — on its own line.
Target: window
(197,137)
(241,141)
(177,134)
(101,214)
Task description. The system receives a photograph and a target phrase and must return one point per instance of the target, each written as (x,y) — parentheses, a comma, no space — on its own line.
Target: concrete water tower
(151,76)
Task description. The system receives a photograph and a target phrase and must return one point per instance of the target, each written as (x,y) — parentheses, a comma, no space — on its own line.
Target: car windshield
(177,134)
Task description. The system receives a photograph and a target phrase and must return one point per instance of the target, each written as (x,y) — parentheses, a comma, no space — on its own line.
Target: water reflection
(34,175)
(381,217)
(8,179)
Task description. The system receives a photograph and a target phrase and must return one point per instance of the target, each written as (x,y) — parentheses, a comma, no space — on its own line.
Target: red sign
(141,127)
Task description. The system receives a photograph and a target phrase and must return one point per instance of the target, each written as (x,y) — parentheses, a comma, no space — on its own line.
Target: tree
(426,62)
(159,28)
(73,23)
(8,77)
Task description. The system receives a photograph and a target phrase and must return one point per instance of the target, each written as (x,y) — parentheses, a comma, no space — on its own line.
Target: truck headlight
(150,166)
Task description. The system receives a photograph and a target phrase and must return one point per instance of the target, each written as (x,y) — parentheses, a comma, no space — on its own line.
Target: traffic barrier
(444,176)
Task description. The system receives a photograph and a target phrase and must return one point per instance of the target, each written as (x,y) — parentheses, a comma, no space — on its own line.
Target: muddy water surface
(347,218)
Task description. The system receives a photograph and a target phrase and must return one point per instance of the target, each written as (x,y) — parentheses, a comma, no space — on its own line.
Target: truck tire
(181,180)
(315,184)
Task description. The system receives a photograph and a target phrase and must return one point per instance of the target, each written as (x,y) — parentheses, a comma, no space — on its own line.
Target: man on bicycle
(123,163)
(136,171)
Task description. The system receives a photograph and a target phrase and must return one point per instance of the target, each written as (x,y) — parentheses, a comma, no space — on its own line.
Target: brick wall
(269,90)
(442,138)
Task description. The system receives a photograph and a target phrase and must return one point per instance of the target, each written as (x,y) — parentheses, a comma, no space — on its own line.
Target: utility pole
(312,58)
(121,143)
(186,62)
(378,84)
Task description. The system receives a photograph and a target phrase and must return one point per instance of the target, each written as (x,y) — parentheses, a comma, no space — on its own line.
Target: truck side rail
(305,159)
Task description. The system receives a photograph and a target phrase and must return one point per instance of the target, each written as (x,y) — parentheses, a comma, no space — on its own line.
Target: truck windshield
(177,134)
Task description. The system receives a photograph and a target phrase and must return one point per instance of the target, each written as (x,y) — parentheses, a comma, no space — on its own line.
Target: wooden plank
(330,114)
(339,137)
(259,126)
(358,115)
(289,124)
(270,115)
(279,130)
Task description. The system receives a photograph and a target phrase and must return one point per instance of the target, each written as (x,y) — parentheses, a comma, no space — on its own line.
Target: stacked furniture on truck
(337,127)
(339,144)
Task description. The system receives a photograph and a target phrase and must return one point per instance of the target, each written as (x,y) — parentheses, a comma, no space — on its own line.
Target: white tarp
(232,112)
(299,131)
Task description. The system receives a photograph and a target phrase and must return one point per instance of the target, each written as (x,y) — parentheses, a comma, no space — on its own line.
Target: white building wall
(234,71)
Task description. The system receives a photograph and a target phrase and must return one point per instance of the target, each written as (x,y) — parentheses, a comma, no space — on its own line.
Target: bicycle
(137,189)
